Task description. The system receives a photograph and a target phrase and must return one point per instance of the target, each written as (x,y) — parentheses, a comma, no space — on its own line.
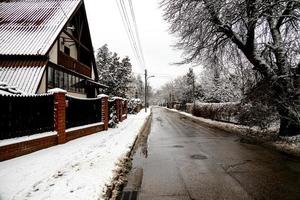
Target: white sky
(106,27)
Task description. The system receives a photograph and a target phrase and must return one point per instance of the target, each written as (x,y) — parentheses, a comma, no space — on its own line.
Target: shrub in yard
(134,106)
(257,114)
(217,111)
(113,118)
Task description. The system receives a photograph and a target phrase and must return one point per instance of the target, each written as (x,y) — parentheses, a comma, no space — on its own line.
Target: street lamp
(146,88)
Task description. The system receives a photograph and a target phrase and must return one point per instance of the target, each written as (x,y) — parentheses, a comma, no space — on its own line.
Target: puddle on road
(159,119)
(182,117)
(198,157)
(140,149)
(178,146)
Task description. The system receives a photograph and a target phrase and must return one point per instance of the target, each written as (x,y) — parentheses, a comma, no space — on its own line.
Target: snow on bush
(217,111)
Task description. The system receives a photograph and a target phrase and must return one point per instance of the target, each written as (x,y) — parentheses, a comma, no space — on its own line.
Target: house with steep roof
(46,44)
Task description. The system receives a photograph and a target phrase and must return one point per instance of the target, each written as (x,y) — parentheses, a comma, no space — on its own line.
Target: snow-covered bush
(217,111)
(134,106)
(257,108)
(257,114)
(113,118)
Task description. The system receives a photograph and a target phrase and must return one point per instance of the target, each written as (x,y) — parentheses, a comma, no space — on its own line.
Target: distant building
(46,44)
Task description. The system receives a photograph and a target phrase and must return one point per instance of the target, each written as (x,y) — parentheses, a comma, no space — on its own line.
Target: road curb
(145,125)
(113,190)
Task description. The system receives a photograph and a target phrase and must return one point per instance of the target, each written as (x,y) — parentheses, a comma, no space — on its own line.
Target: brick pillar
(125,107)
(59,114)
(121,109)
(104,110)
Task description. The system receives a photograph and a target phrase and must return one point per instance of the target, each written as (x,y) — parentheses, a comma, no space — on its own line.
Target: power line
(136,30)
(127,30)
(131,28)
(131,33)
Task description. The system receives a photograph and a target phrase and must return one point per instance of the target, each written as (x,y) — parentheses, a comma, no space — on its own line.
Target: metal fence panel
(82,111)
(25,115)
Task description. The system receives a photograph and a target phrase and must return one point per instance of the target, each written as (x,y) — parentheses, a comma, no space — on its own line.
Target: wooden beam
(77,41)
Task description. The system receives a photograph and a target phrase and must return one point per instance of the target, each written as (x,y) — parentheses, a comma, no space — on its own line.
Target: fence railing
(22,115)
(25,115)
(82,111)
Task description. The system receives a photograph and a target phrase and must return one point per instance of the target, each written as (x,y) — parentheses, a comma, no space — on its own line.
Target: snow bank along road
(185,160)
(78,169)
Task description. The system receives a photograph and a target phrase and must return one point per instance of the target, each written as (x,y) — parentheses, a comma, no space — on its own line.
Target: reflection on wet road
(183,160)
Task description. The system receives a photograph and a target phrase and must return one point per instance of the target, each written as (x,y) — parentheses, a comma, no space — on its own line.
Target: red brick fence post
(104,110)
(59,114)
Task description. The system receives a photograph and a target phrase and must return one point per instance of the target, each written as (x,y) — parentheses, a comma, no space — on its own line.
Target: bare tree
(265,32)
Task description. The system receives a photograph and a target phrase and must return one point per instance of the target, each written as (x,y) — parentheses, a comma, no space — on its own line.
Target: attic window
(67,50)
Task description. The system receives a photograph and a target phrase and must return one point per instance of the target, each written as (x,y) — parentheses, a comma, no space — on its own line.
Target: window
(66,81)
(70,87)
(60,79)
(67,50)
(56,78)
(76,84)
(50,77)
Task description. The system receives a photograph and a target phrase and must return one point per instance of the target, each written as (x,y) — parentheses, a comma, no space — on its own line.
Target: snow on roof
(23,75)
(29,27)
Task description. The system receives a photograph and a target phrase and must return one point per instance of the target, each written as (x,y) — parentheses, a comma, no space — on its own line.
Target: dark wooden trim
(47,78)
(64,69)
(58,47)
(76,40)
(74,64)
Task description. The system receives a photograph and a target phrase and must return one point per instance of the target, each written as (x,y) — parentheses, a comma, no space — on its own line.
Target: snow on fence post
(59,114)
(104,110)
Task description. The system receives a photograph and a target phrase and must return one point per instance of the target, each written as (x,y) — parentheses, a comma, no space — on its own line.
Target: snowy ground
(79,169)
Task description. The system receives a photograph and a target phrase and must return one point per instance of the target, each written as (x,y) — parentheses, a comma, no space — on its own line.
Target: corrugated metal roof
(29,27)
(25,75)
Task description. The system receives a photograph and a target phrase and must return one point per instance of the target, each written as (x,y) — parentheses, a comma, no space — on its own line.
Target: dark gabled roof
(30,27)
(24,74)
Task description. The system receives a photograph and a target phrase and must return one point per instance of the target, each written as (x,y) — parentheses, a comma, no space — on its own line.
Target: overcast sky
(107,28)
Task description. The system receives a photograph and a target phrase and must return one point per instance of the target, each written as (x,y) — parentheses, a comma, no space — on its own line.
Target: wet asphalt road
(184,160)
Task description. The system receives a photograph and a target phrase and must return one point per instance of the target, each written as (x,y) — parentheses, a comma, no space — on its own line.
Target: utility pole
(145,90)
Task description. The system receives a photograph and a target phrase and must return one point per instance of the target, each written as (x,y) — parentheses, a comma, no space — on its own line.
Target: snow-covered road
(78,169)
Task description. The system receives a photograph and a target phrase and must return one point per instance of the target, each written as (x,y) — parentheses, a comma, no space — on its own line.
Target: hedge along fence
(25,115)
(225,112)
(111,108)
(82,111)
(118,108)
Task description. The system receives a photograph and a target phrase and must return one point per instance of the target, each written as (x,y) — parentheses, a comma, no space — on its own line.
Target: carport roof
(25,75)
